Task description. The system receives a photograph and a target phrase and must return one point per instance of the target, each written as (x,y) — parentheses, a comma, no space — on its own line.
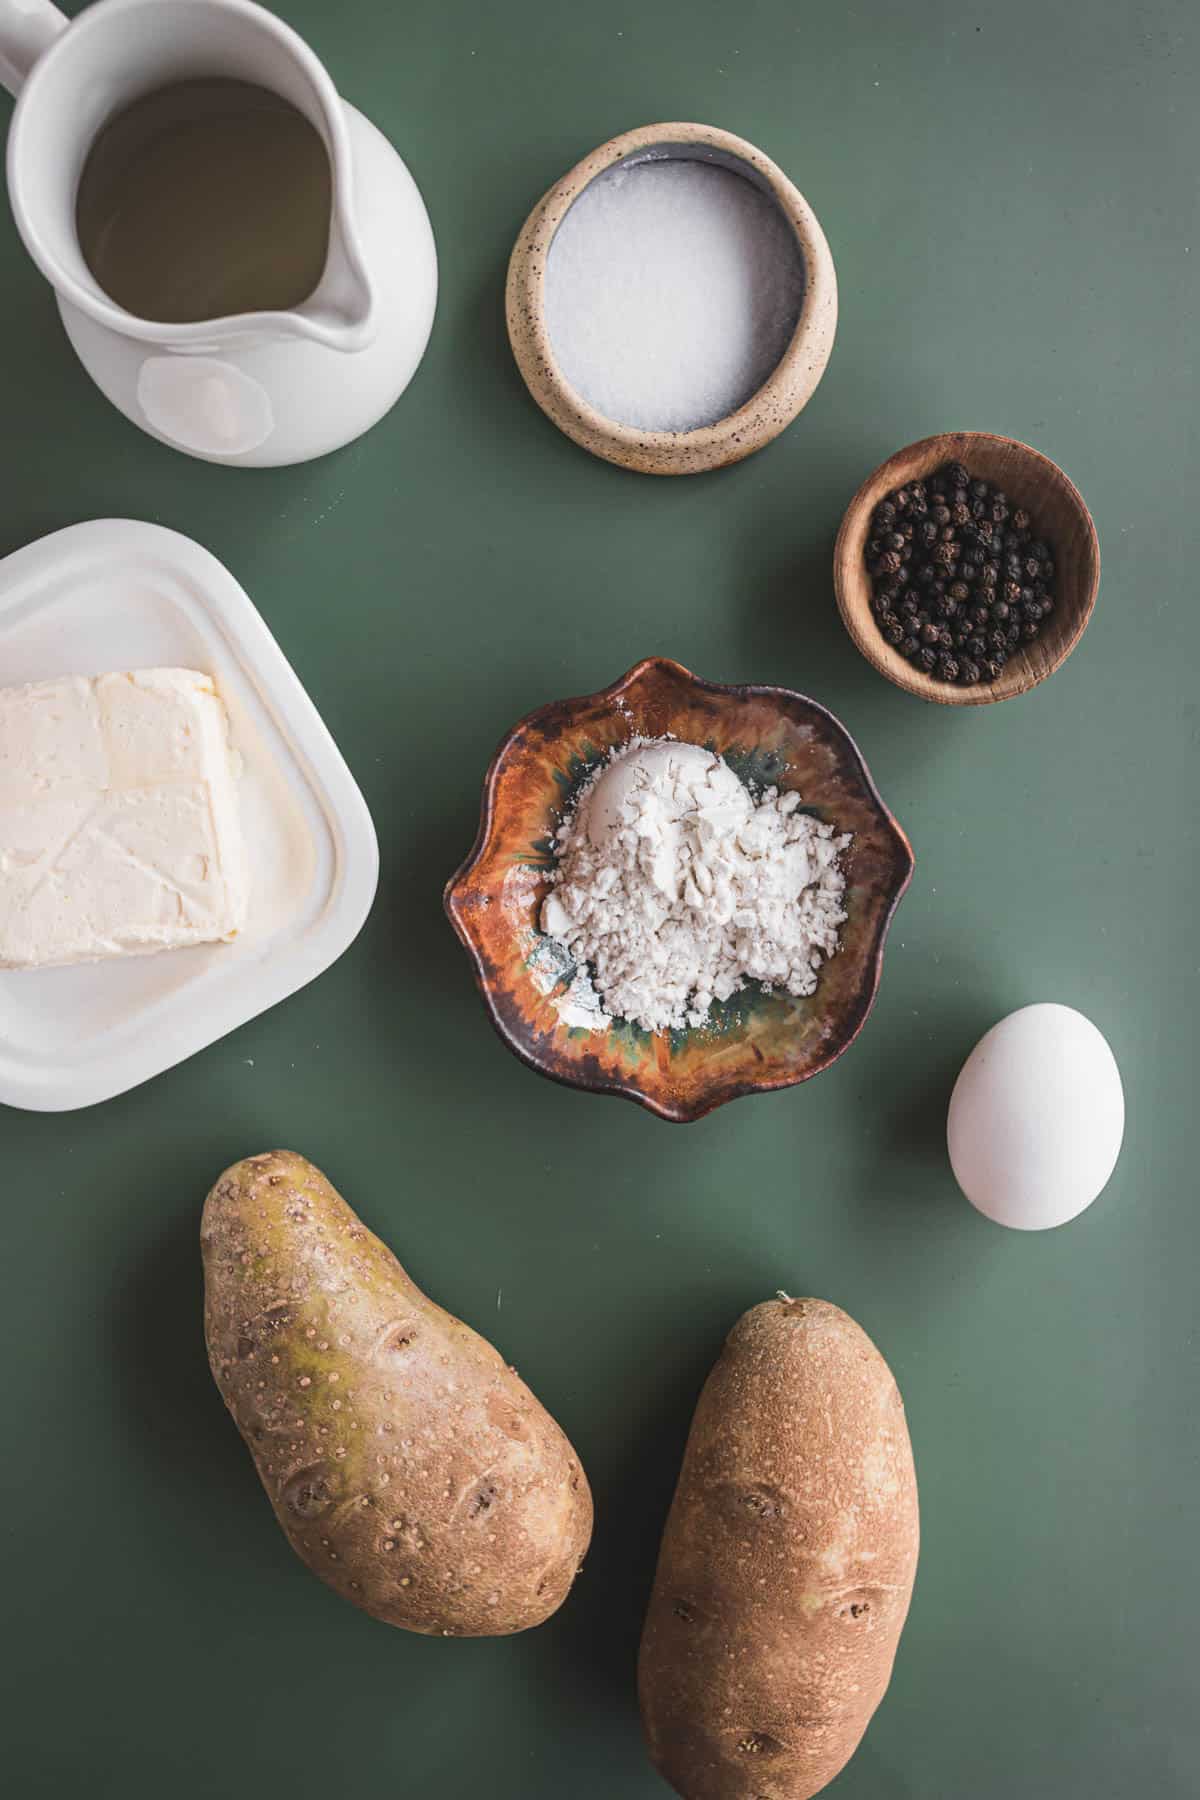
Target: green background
(1010,196)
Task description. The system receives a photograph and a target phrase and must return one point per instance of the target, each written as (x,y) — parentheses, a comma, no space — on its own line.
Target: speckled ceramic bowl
(755,1041)
(786,390)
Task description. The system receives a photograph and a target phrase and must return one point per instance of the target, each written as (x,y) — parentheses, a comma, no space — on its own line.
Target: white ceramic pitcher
(259,388)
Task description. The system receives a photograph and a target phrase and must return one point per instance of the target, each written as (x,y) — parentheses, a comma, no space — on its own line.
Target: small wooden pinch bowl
(753,1042)
(786,390)
(1060,516)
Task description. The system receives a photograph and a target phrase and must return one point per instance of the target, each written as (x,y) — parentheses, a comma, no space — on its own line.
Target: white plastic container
(119,594)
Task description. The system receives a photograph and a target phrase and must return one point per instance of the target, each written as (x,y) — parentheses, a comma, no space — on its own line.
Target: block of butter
(119,826)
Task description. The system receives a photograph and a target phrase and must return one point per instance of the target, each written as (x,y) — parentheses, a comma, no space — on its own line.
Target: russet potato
(409,1466)
(787,1562)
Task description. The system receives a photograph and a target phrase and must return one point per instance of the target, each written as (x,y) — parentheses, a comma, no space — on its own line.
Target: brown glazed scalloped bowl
(754,1041)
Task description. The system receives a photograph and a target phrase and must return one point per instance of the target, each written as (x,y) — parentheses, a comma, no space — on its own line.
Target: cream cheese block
(119,825)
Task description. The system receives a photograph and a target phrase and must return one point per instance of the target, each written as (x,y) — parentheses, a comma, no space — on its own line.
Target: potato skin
(787,1562)
(409,1467)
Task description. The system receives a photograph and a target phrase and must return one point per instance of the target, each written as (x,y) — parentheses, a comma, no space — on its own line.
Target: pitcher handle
(27,27)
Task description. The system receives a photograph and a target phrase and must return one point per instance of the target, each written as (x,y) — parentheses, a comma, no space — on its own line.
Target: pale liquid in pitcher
(203,199)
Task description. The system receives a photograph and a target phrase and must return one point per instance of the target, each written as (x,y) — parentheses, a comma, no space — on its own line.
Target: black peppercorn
(959,582)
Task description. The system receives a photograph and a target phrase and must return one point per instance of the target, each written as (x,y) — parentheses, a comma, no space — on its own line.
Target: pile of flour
(676,887)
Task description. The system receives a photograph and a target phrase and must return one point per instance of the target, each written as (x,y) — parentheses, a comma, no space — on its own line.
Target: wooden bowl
(755,1041)
(1060,516)
(786,390)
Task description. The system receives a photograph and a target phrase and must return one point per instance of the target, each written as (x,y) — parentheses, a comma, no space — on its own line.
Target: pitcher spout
(340,312)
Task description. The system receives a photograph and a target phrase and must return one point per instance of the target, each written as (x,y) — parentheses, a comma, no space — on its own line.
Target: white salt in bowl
(729,306)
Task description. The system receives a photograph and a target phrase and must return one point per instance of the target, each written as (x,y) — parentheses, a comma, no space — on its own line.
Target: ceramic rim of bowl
(769,410)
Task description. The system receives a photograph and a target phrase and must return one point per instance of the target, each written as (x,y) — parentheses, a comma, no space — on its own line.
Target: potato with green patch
(409,1466)
(787,1562)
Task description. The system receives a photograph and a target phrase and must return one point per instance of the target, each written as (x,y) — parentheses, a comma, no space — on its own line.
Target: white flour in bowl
(676,887)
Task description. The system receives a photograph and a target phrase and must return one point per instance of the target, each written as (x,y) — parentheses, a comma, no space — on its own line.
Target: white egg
(1036,1118)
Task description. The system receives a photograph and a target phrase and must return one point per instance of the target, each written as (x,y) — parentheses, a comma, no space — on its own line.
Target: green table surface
(1010,196)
